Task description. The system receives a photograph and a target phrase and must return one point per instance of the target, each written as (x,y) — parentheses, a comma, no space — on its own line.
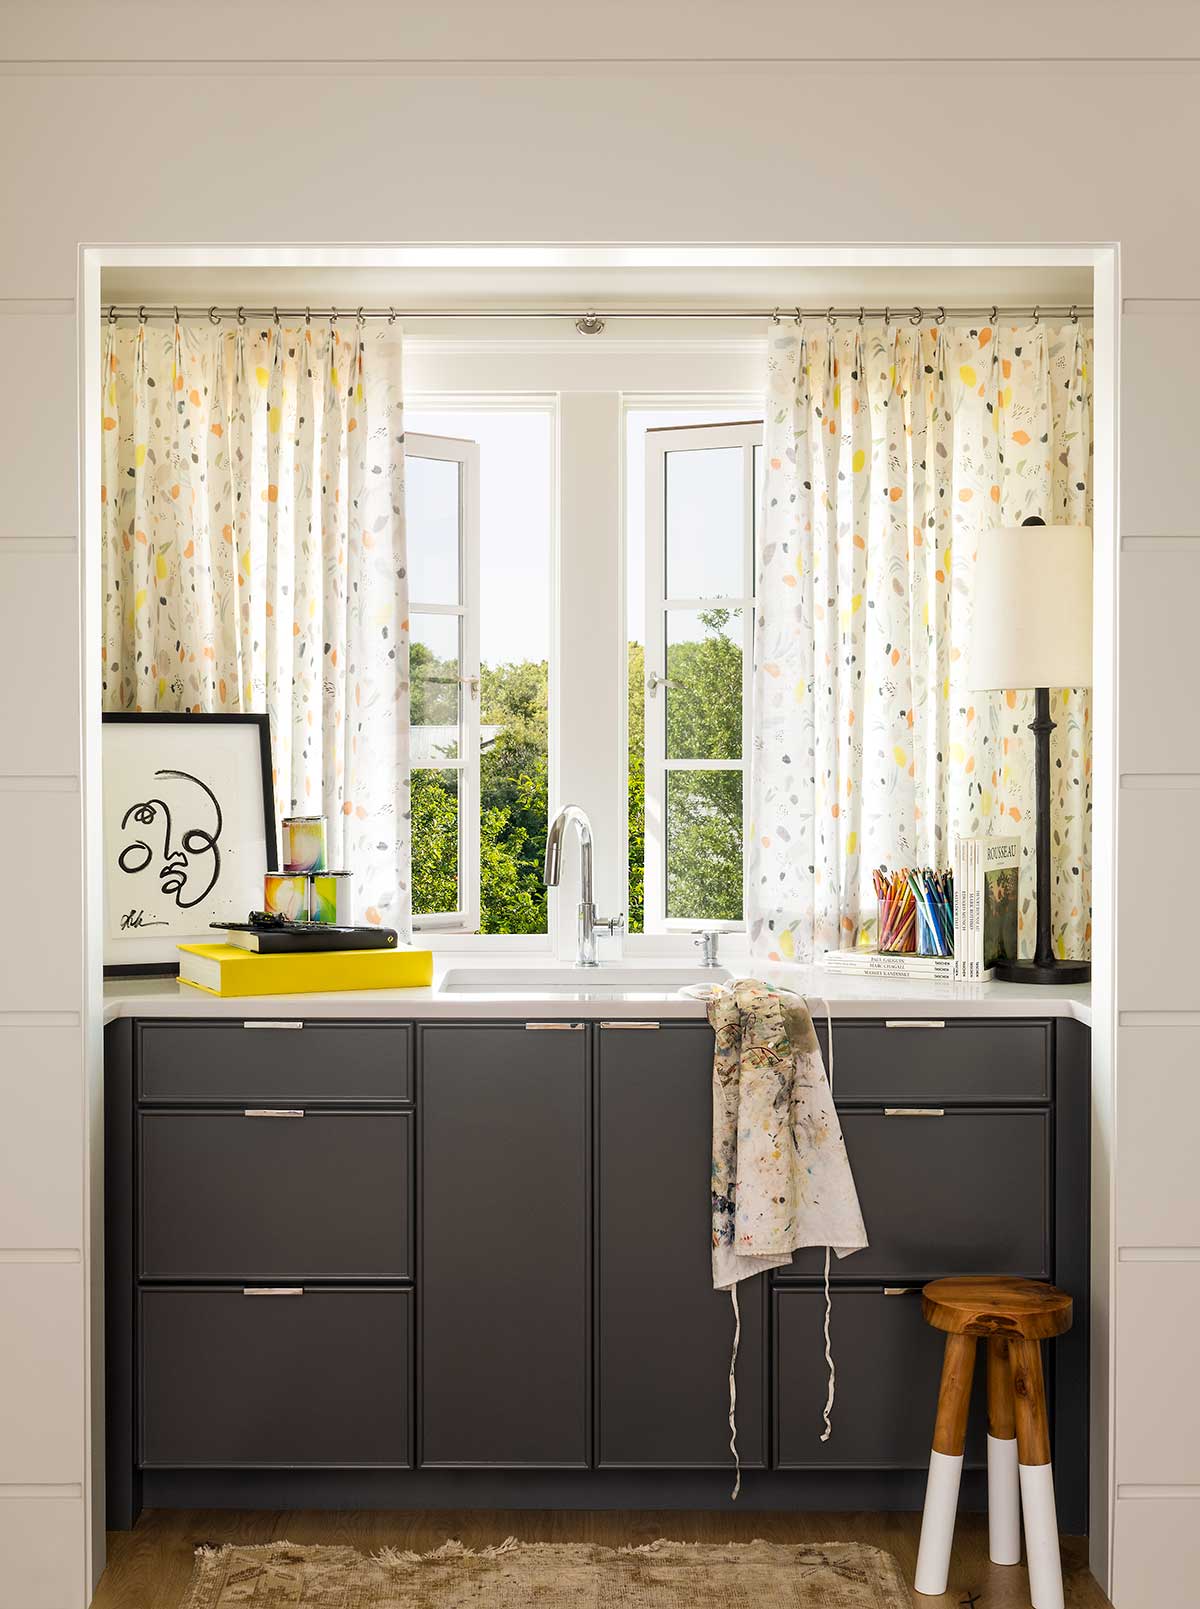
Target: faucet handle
(706,940)
(611,924)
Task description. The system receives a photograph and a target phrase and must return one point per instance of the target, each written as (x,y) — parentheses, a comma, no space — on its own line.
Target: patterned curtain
(254,559)
(888,449)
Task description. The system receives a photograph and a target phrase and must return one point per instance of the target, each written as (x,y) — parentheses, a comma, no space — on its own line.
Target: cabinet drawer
(966,1192)
(319,1196)
(889,1365)
(319,1378)
(238,1063)
(960,1062)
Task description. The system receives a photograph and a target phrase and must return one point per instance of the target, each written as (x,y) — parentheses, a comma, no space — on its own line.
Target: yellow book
(230,972)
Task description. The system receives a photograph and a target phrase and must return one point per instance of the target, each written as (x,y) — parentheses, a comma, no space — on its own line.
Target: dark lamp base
(1042,972)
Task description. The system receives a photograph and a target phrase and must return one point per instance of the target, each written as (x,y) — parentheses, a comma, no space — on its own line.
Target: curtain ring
(333,317)
(142,313)
(775,316)
(275,317)
(862,313)
(213,316)
(112,314)
(1074,313)
(914,318)
(995,315)
(176,314)
(830,318)
(941,315)
(391,315)
(359,319)
(308,315)
(799,318)
(241,316)
(887,318)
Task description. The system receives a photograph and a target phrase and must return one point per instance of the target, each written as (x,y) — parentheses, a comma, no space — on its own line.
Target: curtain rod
(594,320)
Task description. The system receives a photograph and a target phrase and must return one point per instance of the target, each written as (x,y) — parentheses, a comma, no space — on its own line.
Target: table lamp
(1032,628)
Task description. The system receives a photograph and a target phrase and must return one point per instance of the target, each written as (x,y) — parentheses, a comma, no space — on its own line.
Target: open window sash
(442,497)
(701,494)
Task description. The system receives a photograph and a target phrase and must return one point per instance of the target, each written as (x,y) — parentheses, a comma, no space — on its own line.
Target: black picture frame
(160,966)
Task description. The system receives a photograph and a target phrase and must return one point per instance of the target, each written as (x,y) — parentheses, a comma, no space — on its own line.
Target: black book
(305,938)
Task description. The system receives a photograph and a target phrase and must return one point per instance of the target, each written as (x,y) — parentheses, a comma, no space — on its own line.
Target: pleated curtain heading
(887,449)
(254,559)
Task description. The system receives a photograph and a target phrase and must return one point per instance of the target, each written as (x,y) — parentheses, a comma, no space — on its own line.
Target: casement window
(701,511)
(442,512)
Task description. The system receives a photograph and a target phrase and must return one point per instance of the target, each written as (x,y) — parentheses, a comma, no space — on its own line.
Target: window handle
(472,682)
(654,681)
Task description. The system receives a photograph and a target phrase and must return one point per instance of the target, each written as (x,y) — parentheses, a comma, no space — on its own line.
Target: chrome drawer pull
(913,1022)
(902,1290)
(272,1290)
(272,1111)
(273,1022)
(624,1024)
(554,1027)
(914,1111)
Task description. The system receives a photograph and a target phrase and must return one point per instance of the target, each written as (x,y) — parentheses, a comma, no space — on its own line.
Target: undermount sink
(601,980)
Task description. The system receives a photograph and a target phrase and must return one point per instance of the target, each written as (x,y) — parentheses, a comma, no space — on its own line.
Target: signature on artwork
(176,836)
(132,921)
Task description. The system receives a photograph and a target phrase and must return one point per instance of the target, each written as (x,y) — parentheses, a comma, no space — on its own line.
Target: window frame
(465,453)
(661,440)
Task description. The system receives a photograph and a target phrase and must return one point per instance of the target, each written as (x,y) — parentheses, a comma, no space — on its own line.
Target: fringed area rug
(662,1575)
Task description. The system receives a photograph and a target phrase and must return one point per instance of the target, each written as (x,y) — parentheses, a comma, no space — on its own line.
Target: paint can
(332,898)
(304,843)
(286,894)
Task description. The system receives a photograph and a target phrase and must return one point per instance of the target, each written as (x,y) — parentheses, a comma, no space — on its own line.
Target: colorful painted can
(286,894)
(304,843)
(332,898)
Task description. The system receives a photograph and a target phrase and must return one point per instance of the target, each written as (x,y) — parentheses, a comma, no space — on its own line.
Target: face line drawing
(175,861)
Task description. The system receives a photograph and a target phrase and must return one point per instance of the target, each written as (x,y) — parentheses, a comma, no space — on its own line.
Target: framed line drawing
(189,831)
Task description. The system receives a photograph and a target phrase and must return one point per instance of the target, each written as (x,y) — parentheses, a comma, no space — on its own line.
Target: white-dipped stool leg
(1041,1536)
(945,1465)
(1037,1476)
(1004,1499)
(1004,1502)
(937,1524)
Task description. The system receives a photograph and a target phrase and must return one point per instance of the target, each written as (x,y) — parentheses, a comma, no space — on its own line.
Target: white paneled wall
(1156,1308)
(44,1361)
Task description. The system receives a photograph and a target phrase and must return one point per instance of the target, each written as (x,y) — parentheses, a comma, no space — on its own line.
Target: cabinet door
(664,1335)
(889,1364)
(504,1268)
(946,1192)
(274,1378)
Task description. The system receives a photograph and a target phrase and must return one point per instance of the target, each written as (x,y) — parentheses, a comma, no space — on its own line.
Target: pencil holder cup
(929,943)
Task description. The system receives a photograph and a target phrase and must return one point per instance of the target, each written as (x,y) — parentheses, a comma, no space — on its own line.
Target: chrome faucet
(706,940)
(589,923)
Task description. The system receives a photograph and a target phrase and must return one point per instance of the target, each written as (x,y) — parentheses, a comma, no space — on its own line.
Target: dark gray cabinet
(946,1191)
(663,1335)
(505,1265)
(274,1377)
(497,1240)
(273,1061)
(290,1194)
(888,1365)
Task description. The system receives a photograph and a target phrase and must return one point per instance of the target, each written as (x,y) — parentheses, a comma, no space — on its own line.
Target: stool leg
(945,1466)
(1004,1502)
(1037,1477)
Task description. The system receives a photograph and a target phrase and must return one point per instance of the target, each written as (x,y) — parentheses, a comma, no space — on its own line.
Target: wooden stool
(1015,1316)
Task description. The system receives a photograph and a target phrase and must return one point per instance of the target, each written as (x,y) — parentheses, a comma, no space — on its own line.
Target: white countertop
(847,997)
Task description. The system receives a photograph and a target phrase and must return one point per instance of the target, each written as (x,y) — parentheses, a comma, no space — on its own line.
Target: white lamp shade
(1032,622)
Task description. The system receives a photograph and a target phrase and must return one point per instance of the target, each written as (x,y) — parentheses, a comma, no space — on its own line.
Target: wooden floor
(149,1567)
